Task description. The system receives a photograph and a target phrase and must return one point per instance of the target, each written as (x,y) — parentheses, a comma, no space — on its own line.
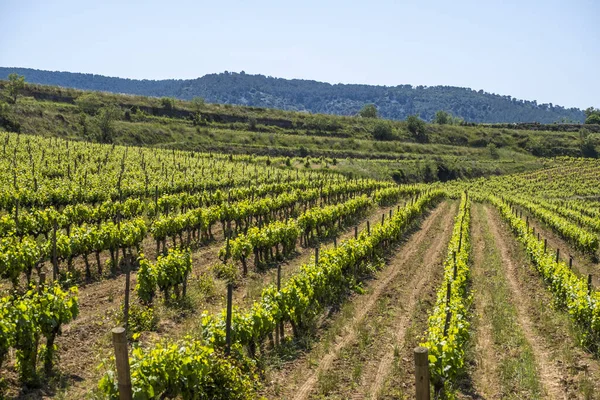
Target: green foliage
(8,121)
(448,329)
(442,118)
(493,149)
(229,272)
(105,119)
(570,291)
(417,128)
(587,144)
(167,103)
(38,313)
(368,111)
(187,369)
(593,119)
(197,104)
(383,131)
(252,123)
(592,115)
(142,318)
(261,91)
(89,103)
(16,84)
(168,273)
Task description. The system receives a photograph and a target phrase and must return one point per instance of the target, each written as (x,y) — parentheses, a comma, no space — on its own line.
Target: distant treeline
(397,102)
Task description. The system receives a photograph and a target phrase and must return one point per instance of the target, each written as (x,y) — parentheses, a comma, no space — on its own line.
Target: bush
(417,128)
(141,318)
(493,149)
(228,272)
(383,131)
(167,103)
(89,103)
(252,123)
(368,111)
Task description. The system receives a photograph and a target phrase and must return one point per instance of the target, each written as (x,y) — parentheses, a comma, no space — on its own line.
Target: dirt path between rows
(486,368)
(390,272)
(429,267)
(550,374)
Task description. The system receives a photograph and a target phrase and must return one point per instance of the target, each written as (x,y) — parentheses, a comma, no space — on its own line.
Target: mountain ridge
(394,102)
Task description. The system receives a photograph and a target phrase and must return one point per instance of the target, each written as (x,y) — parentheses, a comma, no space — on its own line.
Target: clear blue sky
(547,51)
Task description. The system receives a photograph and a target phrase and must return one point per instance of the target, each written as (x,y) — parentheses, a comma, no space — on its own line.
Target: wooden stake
(127,288)
(356,232)
(589,285)
(119,338)
(422,374)
(54,256)
(278,289)
(228,319)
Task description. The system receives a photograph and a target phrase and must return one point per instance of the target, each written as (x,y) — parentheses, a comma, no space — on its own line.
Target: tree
(197,104)
(89,103)
(417,128)
(368,111)
(8,121)
(383,131)
(592,115)
(493,149)
(105,121)
(168,103)
(586,144)
(16,83)
(442,118)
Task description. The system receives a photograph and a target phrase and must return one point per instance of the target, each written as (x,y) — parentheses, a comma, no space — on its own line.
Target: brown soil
(485,377)
(401,269)
(559,376)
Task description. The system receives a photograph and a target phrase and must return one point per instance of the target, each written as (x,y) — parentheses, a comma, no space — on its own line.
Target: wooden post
(317,255)
(538,236)
(54,256)
(228,319)
(119,338)
(356,232)
(589,285)
(422,374)
(557,254)
(545,244)
(455,265)
(382,218)
(527,222)
(368,228)
(570,261)
(391,213)
(17,216)
(278,289)
(127,289)
(335,242)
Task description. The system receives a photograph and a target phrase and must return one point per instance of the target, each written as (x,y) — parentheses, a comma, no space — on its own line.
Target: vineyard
(147,273)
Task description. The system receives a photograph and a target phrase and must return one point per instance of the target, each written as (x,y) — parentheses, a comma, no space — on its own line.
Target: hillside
(349,145)
(317,97)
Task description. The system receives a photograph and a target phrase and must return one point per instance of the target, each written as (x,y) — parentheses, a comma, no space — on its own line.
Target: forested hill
(395,102)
